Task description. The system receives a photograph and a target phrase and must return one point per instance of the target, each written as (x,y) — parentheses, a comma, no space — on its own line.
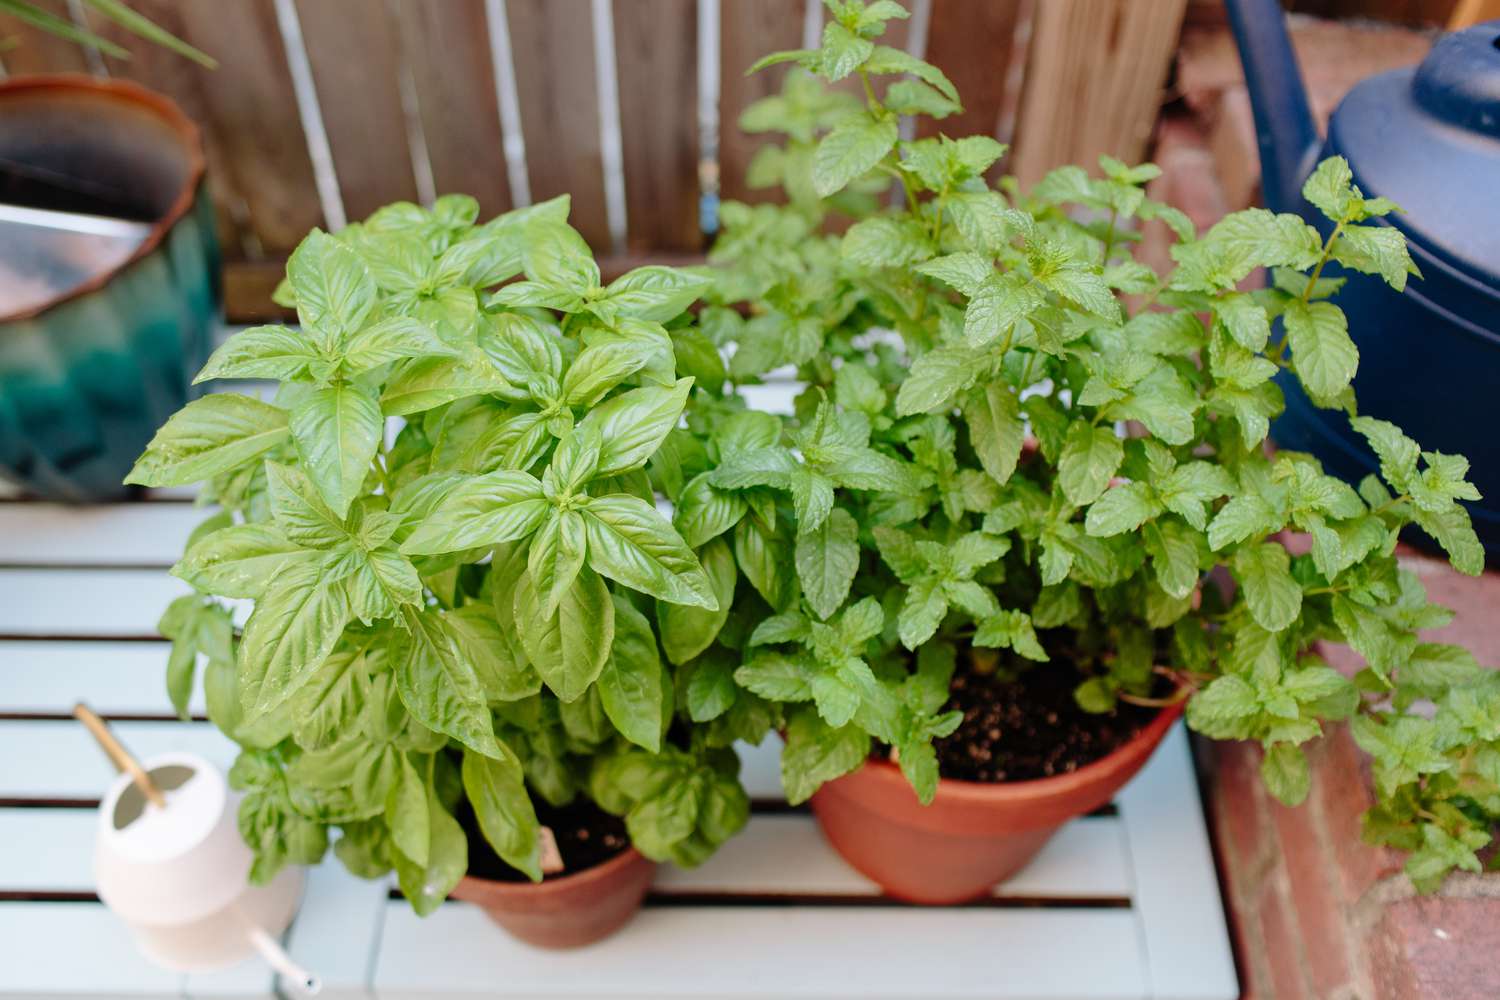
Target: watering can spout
(1285,133)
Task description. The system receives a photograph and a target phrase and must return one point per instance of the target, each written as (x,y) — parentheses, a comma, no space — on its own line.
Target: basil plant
(1020,444)
(471,609)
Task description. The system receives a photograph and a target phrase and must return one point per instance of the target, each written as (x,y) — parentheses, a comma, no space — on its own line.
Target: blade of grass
(139,24)
(35,16)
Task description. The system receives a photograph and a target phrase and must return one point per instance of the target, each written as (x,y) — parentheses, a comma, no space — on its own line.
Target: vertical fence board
(656,52)
(748,29)
(552,43)
(352,47)
(259,170)
(1094,81)
(24,49)
(972,44)
(446,47)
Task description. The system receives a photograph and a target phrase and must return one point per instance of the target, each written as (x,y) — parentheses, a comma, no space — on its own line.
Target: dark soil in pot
(1029,726)
(600,888)
(586,836)
(1040,761)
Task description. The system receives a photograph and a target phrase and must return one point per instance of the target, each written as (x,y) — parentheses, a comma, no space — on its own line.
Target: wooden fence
(322,110)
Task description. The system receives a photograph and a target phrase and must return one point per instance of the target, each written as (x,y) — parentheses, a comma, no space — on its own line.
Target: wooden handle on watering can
(121,757)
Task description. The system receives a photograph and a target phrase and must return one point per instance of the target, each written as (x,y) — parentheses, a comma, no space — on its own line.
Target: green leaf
(996,429)
(276,352)
(1273,594)
(842,52)
(426,886)
(630,542)
(827,559)
(1090,458)
(391,340)
(208,436)
(633,424)
(765,557)
(337,431)
(570,647)
(480,511)
(1244,319)
(1120,509)
(921,613)
(236,561)
(704,512)
(816,752)
(1398,453)
(935,378)
(687,631)
(406,814)
(776,677)
(1247,516)
(425,383)
(439,686)
(334,289)
(1330,188)
(997,305)
(557,554)
(710,689)
(631,685)
(852,149)
(1284,770)
(496,790)
(296,623)
(1375,249)
(1324,356)
(299,511)
(654,293)
(964,271)
(885,242)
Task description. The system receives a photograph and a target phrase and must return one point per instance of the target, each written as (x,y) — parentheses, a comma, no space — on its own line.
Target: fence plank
(446,47)
(748,29)
(24,49)
(259,171)
(972,44)
(1093,81)
(355,65)
(656,51)
(552,43)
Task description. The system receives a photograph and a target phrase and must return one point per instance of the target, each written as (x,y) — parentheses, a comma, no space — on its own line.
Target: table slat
(41,677)
(729,951)
(142,534)
(59,760)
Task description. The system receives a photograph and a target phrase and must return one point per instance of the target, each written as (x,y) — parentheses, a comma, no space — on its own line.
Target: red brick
(1236,155)
(1341,793)
(1320,919)
(1473,600)
(1240,805)
(1436,948)
(1287,980)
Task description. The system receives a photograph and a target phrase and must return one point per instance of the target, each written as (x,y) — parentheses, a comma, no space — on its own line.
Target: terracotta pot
(974,835)
(566,912)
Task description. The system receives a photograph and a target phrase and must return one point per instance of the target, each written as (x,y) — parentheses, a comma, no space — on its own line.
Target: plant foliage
(1017,436)
(471,608)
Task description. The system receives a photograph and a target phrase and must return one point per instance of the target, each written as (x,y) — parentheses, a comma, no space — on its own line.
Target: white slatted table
(1122,904)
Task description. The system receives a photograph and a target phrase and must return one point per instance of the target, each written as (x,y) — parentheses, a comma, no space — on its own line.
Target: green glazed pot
(88,375)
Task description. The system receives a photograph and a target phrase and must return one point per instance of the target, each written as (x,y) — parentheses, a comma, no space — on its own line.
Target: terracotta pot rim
(957,791)
(547,887)
(164,108)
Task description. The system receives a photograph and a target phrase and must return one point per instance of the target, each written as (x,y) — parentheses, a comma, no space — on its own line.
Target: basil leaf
(391,340)
(440,687)
(569,647)
(557,554)
(236,561)
(277,352)
(631,686)
(299,511)
(687,631)
(484,510)
(337,431)
(294,627)
(633,424)
(334,289)
(209,436)
(630,542)
(496,790)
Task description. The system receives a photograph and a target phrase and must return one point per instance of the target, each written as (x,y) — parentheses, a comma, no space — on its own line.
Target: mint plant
(472,608)
(1022,445)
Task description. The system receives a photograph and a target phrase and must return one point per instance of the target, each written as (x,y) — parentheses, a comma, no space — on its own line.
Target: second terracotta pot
(974,835)
(566,912)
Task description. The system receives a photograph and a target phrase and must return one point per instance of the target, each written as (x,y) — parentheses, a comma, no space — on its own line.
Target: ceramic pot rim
(165,109)
(518,891)
(956,791)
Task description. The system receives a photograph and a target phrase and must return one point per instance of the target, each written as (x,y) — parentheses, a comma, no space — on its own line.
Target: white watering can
(169,861)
